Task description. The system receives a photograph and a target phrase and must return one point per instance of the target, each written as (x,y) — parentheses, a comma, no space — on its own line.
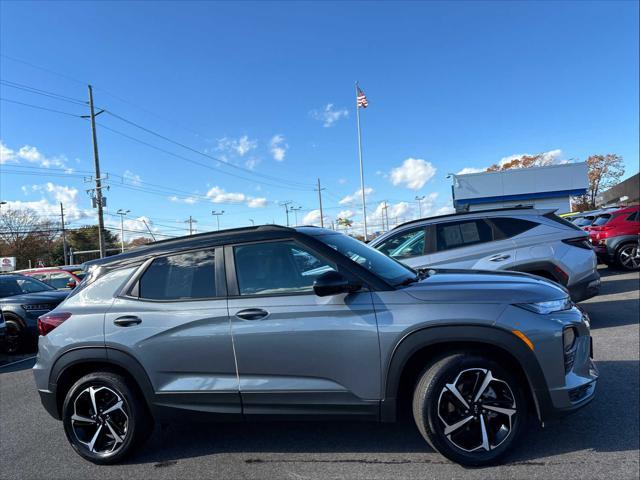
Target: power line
(211,157)
(195,162)
(38,91)
(39,107)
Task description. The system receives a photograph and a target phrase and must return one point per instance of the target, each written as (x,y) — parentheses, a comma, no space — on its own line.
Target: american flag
(362,99)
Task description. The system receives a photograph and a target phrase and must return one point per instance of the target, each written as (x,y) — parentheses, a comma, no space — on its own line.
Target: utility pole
(286,209)
(149,230)
(252,221)
(96,160)
(420,199)
(191,221)
(295,210)
(122,213)
(320,200)
(217,215)
(64,236)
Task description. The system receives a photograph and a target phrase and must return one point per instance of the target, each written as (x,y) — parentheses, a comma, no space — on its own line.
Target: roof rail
(219,233)
(455,214)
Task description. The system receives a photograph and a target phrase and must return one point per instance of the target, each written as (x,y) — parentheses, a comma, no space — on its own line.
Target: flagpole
(364,206)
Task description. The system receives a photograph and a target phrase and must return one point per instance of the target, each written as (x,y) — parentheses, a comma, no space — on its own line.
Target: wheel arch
(422,346)
(74,364)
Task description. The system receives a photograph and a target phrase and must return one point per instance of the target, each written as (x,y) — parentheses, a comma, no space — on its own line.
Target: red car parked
(615,237)
(58,277)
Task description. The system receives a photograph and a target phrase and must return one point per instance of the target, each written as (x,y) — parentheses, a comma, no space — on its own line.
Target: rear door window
(180,277)
(462,234)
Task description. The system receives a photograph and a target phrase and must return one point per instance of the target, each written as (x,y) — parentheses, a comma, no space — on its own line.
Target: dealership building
(551,186)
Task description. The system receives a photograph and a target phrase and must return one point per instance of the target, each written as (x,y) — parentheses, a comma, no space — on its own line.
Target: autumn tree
(605,171)
(525,161)
(27,236)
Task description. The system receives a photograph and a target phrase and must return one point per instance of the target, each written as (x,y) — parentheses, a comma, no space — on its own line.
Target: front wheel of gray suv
(469,408)
(104,418)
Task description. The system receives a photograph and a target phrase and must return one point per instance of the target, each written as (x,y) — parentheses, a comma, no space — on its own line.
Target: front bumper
(585,289)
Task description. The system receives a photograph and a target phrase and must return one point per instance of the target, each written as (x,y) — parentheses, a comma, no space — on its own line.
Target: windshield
(377,262)
(10,286)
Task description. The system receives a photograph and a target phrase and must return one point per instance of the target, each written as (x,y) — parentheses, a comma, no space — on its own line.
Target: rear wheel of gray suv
(469,409)
(104,418)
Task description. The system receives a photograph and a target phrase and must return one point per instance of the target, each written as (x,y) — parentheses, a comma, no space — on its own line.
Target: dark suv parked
(279,322)
(22,301)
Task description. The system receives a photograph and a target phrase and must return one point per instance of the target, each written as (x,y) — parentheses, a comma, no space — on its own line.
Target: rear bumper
(585,289)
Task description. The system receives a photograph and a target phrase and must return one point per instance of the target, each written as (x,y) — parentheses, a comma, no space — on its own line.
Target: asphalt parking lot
(600,441)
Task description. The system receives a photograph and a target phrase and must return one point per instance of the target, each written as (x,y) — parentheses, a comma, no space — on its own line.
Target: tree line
(31,238)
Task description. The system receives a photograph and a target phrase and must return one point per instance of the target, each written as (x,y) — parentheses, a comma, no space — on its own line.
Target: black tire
(432,398)
(627,257)
(14,339)
(106,449)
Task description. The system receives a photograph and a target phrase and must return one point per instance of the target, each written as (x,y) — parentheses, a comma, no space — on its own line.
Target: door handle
(127,321)
(252,314)
(499,258)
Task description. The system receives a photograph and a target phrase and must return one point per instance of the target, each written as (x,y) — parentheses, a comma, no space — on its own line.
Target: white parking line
(18,361)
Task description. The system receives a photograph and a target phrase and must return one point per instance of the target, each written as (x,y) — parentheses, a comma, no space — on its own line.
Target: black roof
(260,232)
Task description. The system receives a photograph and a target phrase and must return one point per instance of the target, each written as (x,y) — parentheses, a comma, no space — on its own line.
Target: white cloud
(329,114)
(252,163)
(355,196)
(258,202)
(444,210)
(342,181)
(240,146)
(413,173)
(345,214)
(220,195)
(131,178)
(278,147)
(188,200)
(312,218)
(30,154)
(49,204)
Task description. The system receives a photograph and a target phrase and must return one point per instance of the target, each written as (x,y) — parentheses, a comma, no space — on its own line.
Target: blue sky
(269,87)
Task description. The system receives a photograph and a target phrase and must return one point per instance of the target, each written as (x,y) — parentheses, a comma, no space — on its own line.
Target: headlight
(544,308)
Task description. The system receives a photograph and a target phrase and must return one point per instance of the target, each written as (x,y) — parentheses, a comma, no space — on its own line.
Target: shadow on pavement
(612,314)
(15,363)
(592,428)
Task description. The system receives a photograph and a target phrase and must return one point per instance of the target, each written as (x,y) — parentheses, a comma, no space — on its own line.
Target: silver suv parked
(308,323)
(519,239)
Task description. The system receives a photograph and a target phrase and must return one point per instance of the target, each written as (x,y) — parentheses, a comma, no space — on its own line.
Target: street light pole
(420,199)
(122,212)
(217,215)
(295,211)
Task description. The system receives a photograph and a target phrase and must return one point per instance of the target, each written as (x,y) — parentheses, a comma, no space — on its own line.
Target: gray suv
(308,323)
(520,239)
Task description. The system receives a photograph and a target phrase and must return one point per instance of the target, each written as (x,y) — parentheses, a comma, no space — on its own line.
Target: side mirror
(71,284)
(332,283)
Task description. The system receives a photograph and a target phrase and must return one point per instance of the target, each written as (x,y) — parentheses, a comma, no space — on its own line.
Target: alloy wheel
(630,257)
(100,420)
(477,410)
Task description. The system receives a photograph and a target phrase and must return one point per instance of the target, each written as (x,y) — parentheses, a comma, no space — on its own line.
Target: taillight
(580,242)
(49,321)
